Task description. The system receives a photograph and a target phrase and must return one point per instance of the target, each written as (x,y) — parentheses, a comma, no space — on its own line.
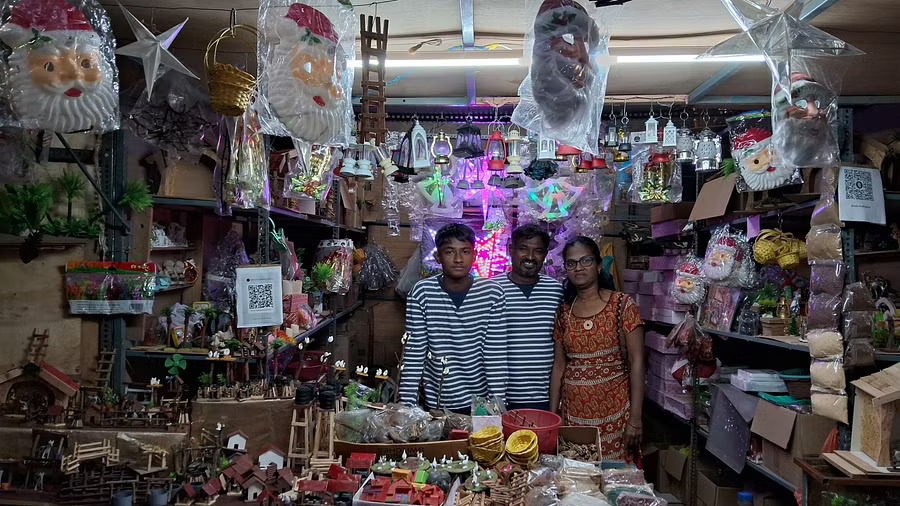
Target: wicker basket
(774,326)
(765,249)
(230,88)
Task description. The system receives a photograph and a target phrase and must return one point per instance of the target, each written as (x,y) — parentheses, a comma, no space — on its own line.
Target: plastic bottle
(745,499)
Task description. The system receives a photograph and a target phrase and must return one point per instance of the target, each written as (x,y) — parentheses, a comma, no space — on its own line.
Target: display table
(15,442)
(265,422)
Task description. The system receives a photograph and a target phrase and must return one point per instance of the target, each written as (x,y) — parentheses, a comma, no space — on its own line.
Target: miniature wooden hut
(877,398)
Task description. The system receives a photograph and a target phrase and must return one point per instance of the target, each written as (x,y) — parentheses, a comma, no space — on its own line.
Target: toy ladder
(373,42)
(37,348)
(104,367)
(298,449)
(321,460)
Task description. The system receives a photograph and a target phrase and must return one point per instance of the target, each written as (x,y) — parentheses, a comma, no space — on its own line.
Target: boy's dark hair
(456,231)
(530,231)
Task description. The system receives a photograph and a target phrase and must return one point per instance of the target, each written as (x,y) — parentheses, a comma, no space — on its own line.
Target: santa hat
(751,137)
(56,19)
(300,18)
(729,243)
(689,269)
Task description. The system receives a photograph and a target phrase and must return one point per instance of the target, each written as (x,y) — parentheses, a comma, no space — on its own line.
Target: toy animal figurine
(220,338)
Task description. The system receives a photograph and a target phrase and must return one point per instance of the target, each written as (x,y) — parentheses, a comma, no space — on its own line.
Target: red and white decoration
(690,288)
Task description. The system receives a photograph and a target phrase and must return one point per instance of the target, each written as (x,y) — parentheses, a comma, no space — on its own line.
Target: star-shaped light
(152,50)
(555,198)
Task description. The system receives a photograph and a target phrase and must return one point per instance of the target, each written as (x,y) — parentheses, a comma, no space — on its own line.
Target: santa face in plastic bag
(724,254)
(59,76)
(689,285)
(803,136)
(306,75)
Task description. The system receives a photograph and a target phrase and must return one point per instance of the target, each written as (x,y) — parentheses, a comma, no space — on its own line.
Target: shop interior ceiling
(645,27)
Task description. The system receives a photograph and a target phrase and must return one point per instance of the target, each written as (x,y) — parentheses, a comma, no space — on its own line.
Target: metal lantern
(514,151)
(655,184)
(403,156)
(478,183)
(513,182)
(707,150)
(612,139)
(364,162)
(421,158)
(441,149)
(468,141)
(496,151)
(599,161)
(623,148)
(670,135)
(684,145)
(651,130)
(463,183)
(387,165)
(546,148)
(348,167)
(585,163)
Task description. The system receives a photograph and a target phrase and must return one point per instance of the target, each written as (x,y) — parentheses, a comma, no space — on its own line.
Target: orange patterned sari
(595,384)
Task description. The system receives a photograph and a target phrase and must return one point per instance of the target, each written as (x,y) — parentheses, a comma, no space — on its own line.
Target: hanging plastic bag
(310,177)
(60,72)
(751,138)
(689,287)
(561,98)
(247,180)
(723,256)
(338,254)
(655,177)
(305,79)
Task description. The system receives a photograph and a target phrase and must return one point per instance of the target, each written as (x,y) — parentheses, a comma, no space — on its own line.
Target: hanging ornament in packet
(310,177)
(805,84)
(751,147)
(305,80)
(690,287)
(561,98)
(247,180)
(60,72)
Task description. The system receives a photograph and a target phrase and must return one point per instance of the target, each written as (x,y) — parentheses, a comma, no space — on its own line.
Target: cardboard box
(666,212)
(716,490)
(676,467)
(787,434)
(713,199)
(580,435)
(187,180)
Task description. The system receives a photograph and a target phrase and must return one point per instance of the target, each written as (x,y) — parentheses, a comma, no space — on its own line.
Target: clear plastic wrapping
(824,311)
(825,344)
(59,72)
(110,287)
(827,276)
(823,242)
(311,175)
(221,269)
(656,179)
(396,423)
(724,255)
(627,476)
(858,324)
(378,271)
(350,425)
(689,287)
(632,499)
(247,179)
(860,353)
(830,405)
(827,211)
(338,254)
(828,374)
(613,493)
(857,297)
(305,78)
(561,98)
(751,137)
(579,499)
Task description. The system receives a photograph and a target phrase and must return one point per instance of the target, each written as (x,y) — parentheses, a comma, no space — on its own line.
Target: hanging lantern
(623,149)
(513,151)
(495,180)
(684,145)
(348,168)
(419,144)
(564,151)
(651,132)
(707,150)
(463,183)
(403,156)
(612,138)
(585,163)
(441,149)
(546,148)
(364,162)
(670,135)
(468,141)
(478,183)
(655,184)
(513,182)
(387,165)
(496,151)
(599,161)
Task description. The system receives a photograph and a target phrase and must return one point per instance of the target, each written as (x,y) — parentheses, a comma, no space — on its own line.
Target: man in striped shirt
(531,302)
(456,343)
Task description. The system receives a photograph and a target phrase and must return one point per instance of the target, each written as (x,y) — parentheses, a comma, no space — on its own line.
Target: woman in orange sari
(598,370)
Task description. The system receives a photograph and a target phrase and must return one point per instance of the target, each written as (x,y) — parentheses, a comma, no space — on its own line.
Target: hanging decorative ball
(541,169)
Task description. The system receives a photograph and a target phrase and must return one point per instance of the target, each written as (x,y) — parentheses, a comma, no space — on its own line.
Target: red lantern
(585,164)
(496,151)
(566,150)
(599,162)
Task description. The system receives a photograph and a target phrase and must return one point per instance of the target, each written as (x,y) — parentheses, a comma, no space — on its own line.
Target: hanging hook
(625,112)
(684,117)
(232,21)
(651,108)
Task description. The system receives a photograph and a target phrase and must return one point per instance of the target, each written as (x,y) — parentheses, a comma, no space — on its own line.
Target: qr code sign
(858,185)
(260,296)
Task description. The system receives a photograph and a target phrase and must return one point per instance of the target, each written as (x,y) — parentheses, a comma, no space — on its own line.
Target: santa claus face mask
(306,73)
(721,258)
(59,79)
(803,137)
(689,286)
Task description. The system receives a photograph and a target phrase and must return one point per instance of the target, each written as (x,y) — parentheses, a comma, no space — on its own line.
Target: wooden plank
(844,466)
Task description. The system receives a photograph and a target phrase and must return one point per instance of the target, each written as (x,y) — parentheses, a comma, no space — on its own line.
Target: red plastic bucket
(543,423)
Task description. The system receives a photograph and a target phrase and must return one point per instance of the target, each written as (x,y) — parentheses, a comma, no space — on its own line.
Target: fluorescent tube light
(515,62)
(684,58)
(448,62)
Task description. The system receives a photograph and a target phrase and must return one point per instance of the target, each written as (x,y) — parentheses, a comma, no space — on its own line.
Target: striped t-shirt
(529,325)
(472,339)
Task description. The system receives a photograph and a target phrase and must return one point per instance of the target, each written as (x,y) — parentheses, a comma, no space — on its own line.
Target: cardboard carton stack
(662,388)
(652,289)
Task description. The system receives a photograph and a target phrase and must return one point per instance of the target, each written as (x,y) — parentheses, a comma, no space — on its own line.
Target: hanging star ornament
(152,50)
(555,198)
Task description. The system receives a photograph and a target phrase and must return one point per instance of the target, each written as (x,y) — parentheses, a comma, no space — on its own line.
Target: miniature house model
(877,400)
(271,455)
(40,379)
(237,440)
(253,487)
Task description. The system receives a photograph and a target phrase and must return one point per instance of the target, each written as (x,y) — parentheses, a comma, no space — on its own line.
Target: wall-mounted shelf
(172,248)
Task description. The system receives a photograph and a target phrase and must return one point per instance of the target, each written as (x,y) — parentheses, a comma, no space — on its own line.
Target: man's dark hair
(529,231)
(452,231)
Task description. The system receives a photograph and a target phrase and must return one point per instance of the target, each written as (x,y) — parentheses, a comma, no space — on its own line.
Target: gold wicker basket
(765,249)
(230,88)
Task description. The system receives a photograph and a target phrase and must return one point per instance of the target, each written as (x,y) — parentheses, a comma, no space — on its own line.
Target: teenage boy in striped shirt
(531,302)
(456,345)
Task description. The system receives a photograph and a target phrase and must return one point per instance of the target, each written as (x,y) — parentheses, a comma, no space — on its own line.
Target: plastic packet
(858,324)
(723,256)
(247,178)
(657,179)
(631,499)
(825,344)
(613,477)
(823,242)
(579,477)
(110,287)
(561,98)
(751,148)
(310,177)
(221,267)
(860,353)
(545,495)
(438,196)
(824,311)
(74,35)
(828,374)
(613,492)
(579,499)
(338,254)
(396,423)
(17,167)
(350,425)
(830,405)
(305,79)
(857,297)
(378,271)
(827,276)
(434,430)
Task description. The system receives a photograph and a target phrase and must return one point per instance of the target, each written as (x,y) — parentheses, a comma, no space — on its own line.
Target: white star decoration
(152,50)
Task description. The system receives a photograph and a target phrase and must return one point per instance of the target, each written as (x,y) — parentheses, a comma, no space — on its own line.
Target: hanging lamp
(441,149)
(348,167)
(364,162)
(468,141)
(496,151)
(546,148)
(514,151)
(421,158)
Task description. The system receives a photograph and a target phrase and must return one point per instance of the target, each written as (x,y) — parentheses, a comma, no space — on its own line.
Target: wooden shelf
(877,254)
(796,346)
(173,248)
(175,288)
(46,240)
(188,354)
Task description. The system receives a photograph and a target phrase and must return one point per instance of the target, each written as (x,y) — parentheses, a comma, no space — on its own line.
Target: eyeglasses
(584,261)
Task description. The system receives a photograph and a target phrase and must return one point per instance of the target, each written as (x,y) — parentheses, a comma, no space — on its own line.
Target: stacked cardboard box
(652,290)
(662,388)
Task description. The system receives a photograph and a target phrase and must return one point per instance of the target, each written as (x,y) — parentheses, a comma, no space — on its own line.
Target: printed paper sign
(860,195)
(258,296)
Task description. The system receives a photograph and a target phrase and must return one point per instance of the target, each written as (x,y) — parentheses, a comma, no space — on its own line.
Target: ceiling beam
(467,17)
(811,10)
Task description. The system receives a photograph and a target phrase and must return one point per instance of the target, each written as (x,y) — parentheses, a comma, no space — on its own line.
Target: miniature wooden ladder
(104,367)
(301,435)
(372,115)
(321,459)
(37,348)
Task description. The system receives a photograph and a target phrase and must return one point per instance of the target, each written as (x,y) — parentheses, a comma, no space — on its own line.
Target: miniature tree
(210,316)
(23,208)
(205,379)
(167,312)
(188,338)
(221,380)
(793,328)
(136,196)
(71,186)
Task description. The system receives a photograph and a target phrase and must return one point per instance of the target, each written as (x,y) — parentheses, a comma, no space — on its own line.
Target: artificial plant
(188,337)
(23,208)
(168,311)
(136,196)
(205,379)
(71,186)
(320,274)
(767,300)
